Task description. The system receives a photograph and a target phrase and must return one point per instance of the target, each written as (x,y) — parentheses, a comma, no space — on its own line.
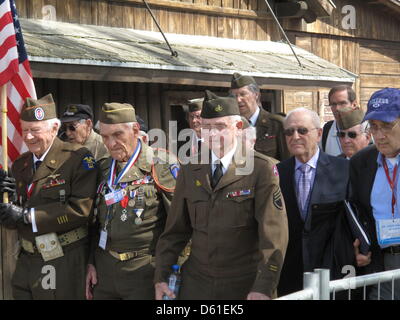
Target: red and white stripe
(17,77)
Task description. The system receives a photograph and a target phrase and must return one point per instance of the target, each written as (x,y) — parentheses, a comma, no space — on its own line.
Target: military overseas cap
(195,104)
(239,81)
(349,117)
(215,107)
(38,110)
(384,105)
(77,112)
(113,112)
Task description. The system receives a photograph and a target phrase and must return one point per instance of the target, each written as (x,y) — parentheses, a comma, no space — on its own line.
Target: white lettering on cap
(377,102)
(39,114)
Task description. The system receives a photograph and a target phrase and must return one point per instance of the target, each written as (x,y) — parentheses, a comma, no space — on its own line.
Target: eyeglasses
(72,127)
(340,104)
(385,128)
(218,127)
(302,131)
(350,134)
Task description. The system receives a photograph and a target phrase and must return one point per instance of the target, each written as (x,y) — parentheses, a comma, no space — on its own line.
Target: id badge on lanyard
(388,232)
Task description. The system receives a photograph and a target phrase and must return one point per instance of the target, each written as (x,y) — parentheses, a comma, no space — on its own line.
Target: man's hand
(91,281)
(257,296)
(362,260)
(11,215)
(163,289)
(7,184)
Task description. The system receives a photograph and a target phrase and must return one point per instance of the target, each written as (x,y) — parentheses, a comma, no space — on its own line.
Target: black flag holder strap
(173,52)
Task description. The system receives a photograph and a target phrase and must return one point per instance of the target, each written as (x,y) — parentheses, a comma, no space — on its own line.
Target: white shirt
(225,160)
(254,117)
(333,146)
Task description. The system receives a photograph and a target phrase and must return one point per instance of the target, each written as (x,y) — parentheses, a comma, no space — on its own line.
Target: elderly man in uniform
(77,123)
(352,132)
(132,205)
(56,185)
(237,222)
(270,139)
(375,185)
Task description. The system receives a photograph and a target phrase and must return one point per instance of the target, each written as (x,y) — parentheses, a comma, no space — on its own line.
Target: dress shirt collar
(312,162)
(254,117)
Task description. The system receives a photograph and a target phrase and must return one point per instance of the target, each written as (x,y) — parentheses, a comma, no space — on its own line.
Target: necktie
(304,186)
(217,174)
(37,164)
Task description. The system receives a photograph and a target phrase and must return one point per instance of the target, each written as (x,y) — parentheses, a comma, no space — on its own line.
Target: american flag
(15,72)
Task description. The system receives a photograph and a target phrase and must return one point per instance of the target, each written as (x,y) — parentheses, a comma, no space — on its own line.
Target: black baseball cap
(76,112)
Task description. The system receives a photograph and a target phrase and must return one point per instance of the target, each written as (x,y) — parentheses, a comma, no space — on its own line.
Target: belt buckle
(124,256)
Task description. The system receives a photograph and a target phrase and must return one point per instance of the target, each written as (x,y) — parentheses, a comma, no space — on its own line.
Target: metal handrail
(318,287)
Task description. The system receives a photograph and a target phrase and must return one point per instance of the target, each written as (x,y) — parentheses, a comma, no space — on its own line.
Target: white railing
(318,287)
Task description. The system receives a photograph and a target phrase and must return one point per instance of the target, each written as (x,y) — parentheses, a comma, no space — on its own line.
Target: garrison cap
(113,112)
(384,105)
(38,110)
(76,112)
(239,81)
(215,107)
(195,104)
(349,117)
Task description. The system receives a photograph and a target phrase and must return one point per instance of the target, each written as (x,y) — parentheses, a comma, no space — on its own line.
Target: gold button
(41,246)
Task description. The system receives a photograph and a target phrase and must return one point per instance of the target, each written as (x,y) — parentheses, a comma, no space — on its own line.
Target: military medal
(131,203)
(138,219)
(124,203)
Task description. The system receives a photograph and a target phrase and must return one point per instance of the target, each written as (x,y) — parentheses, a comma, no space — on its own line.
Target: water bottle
(174,282)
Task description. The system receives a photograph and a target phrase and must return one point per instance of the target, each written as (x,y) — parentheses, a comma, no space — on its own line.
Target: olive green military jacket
(96,146)
(238,228)
(270,138)
(64,187)
(153,177)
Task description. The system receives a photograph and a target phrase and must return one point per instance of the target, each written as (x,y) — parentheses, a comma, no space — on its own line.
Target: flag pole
(4,133)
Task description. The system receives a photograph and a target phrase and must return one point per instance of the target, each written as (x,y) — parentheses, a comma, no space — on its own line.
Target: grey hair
(254,87)
(312,114)
(364,127)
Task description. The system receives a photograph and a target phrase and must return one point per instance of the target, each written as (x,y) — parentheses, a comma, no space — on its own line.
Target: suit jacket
(238,228)
(363,167)
(329,187)
(270,138)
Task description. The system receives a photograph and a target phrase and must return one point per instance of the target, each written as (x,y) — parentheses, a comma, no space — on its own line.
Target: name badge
(103,239)
(388,232)
(114,197)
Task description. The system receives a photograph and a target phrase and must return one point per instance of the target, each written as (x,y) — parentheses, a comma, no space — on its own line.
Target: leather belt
(125,256)
(395,250)
(64,238)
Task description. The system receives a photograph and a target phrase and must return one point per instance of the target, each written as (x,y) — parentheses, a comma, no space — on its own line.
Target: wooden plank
(115,15)
(227,3)
(261,30)
(128,17)
(174,22)
(381,68)
(244,4)
(225,27)
(85,12)
(141,101)
(241,30)
(9,244)
(366,93)
(140,18)
(72,10)
(200,21)
(154,105)
(379,55)
(95,12)
(252,29)
(100,89)
(187,24)
(102,13)
(304,43)
(201,2)
(116,92)
(22,8)
(373,81)
(212,24)
(215,3)
(34,9)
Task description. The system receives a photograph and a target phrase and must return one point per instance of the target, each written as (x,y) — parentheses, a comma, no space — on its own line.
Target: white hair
(312,114)
(51,122)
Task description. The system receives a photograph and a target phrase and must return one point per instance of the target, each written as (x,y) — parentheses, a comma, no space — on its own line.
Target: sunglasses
(350,134)
(71,127)
(302,131)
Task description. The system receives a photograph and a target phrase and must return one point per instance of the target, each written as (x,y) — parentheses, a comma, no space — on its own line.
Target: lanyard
(112,181)
(29,189)
(392,182)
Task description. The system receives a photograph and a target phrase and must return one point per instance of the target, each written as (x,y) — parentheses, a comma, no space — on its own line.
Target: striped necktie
(303,188)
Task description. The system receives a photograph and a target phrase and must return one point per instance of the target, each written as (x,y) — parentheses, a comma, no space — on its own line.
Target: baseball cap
(384,105)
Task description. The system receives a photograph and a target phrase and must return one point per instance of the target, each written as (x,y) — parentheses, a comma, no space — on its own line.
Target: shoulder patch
(275,170)
(174,168)
(89,162)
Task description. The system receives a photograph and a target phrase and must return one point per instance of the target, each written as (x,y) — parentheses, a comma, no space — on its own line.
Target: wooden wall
(236,19)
